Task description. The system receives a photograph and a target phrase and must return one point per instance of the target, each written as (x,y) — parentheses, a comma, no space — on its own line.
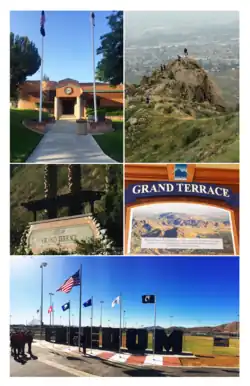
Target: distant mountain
(151,328)
(232,327)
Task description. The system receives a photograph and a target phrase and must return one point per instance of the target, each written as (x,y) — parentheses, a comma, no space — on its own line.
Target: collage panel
(66,102)
(182,209)
(66,209)
(182,86)
(86,321)
(124,194)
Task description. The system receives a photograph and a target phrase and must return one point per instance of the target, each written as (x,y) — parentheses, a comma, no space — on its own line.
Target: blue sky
(194,290)
(67,44)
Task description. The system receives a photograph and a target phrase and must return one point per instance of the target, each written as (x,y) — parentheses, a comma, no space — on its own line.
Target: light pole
(43,265)
(101,302)
(51,305)
(124,312)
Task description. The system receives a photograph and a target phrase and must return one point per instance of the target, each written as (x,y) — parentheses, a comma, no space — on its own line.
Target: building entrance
(68,106)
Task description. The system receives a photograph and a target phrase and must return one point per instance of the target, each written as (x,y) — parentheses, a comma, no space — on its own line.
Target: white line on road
(69,370)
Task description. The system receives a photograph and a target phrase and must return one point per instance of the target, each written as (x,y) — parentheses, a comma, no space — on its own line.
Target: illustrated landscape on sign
(209,227)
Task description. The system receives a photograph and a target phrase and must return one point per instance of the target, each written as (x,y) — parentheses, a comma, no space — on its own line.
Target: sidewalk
(61,144)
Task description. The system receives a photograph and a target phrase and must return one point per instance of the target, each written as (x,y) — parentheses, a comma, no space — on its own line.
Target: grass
(200,345)
(203,345)
(159,138)
(112,143)
(22,140)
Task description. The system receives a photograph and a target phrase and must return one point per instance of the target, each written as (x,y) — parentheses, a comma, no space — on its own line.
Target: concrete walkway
(61,144)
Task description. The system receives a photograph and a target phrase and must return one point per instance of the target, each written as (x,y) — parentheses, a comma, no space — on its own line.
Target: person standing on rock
(147,99)
(185,52)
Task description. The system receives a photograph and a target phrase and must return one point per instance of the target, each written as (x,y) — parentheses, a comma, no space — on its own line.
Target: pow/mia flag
(148,298)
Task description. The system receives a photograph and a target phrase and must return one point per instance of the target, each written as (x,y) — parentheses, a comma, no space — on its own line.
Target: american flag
(42,22)
(71,282)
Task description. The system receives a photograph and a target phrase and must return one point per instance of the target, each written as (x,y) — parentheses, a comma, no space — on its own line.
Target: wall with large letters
(135,340)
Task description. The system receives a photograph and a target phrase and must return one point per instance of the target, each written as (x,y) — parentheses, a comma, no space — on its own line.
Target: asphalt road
(50,363)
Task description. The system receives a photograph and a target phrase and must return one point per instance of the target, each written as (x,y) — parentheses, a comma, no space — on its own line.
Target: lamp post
(124,312)
(43,265)
(101,302)
(51,305)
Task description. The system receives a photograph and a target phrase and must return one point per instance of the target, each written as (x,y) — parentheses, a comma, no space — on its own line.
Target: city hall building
(69,97)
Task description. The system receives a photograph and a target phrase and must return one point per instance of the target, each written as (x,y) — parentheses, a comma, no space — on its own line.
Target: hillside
(178,115)
(232,327)
(27,183)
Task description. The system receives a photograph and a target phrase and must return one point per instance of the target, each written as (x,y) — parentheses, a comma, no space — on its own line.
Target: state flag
(148,298)
(88,303)
(66,306)
(116,301)
(50,309)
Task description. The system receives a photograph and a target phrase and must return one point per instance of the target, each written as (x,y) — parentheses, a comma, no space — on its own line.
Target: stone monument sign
(61,233)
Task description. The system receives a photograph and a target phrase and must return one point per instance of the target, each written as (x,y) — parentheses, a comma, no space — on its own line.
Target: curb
(134,365)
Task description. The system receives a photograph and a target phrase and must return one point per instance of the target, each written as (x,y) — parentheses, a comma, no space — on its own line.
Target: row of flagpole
(42,31)
(76,280)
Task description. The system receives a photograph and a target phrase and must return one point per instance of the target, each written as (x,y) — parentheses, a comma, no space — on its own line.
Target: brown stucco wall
(30,92)
(60,93)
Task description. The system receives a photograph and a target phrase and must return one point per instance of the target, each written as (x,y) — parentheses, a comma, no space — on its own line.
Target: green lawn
(199,345)
(203,345)
(22,140)
(112,143)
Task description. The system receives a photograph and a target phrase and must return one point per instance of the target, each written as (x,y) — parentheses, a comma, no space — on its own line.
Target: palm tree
(50,187)
(74,184)
(110,178)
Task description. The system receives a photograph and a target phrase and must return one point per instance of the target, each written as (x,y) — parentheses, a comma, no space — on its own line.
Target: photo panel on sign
(182,209)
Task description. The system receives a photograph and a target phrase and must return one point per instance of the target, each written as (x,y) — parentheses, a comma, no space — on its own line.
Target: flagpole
(120,323)
(154,329)
(92,311)
(80,311)
(41,85)
(69,324)
(93,61)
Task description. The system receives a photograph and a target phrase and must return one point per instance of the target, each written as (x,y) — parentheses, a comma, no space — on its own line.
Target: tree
(110,67)
(24,61)
(45,78)
(74,184)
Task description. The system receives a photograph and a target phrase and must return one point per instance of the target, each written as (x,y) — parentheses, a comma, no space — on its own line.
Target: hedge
(107,111)
(46,105)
